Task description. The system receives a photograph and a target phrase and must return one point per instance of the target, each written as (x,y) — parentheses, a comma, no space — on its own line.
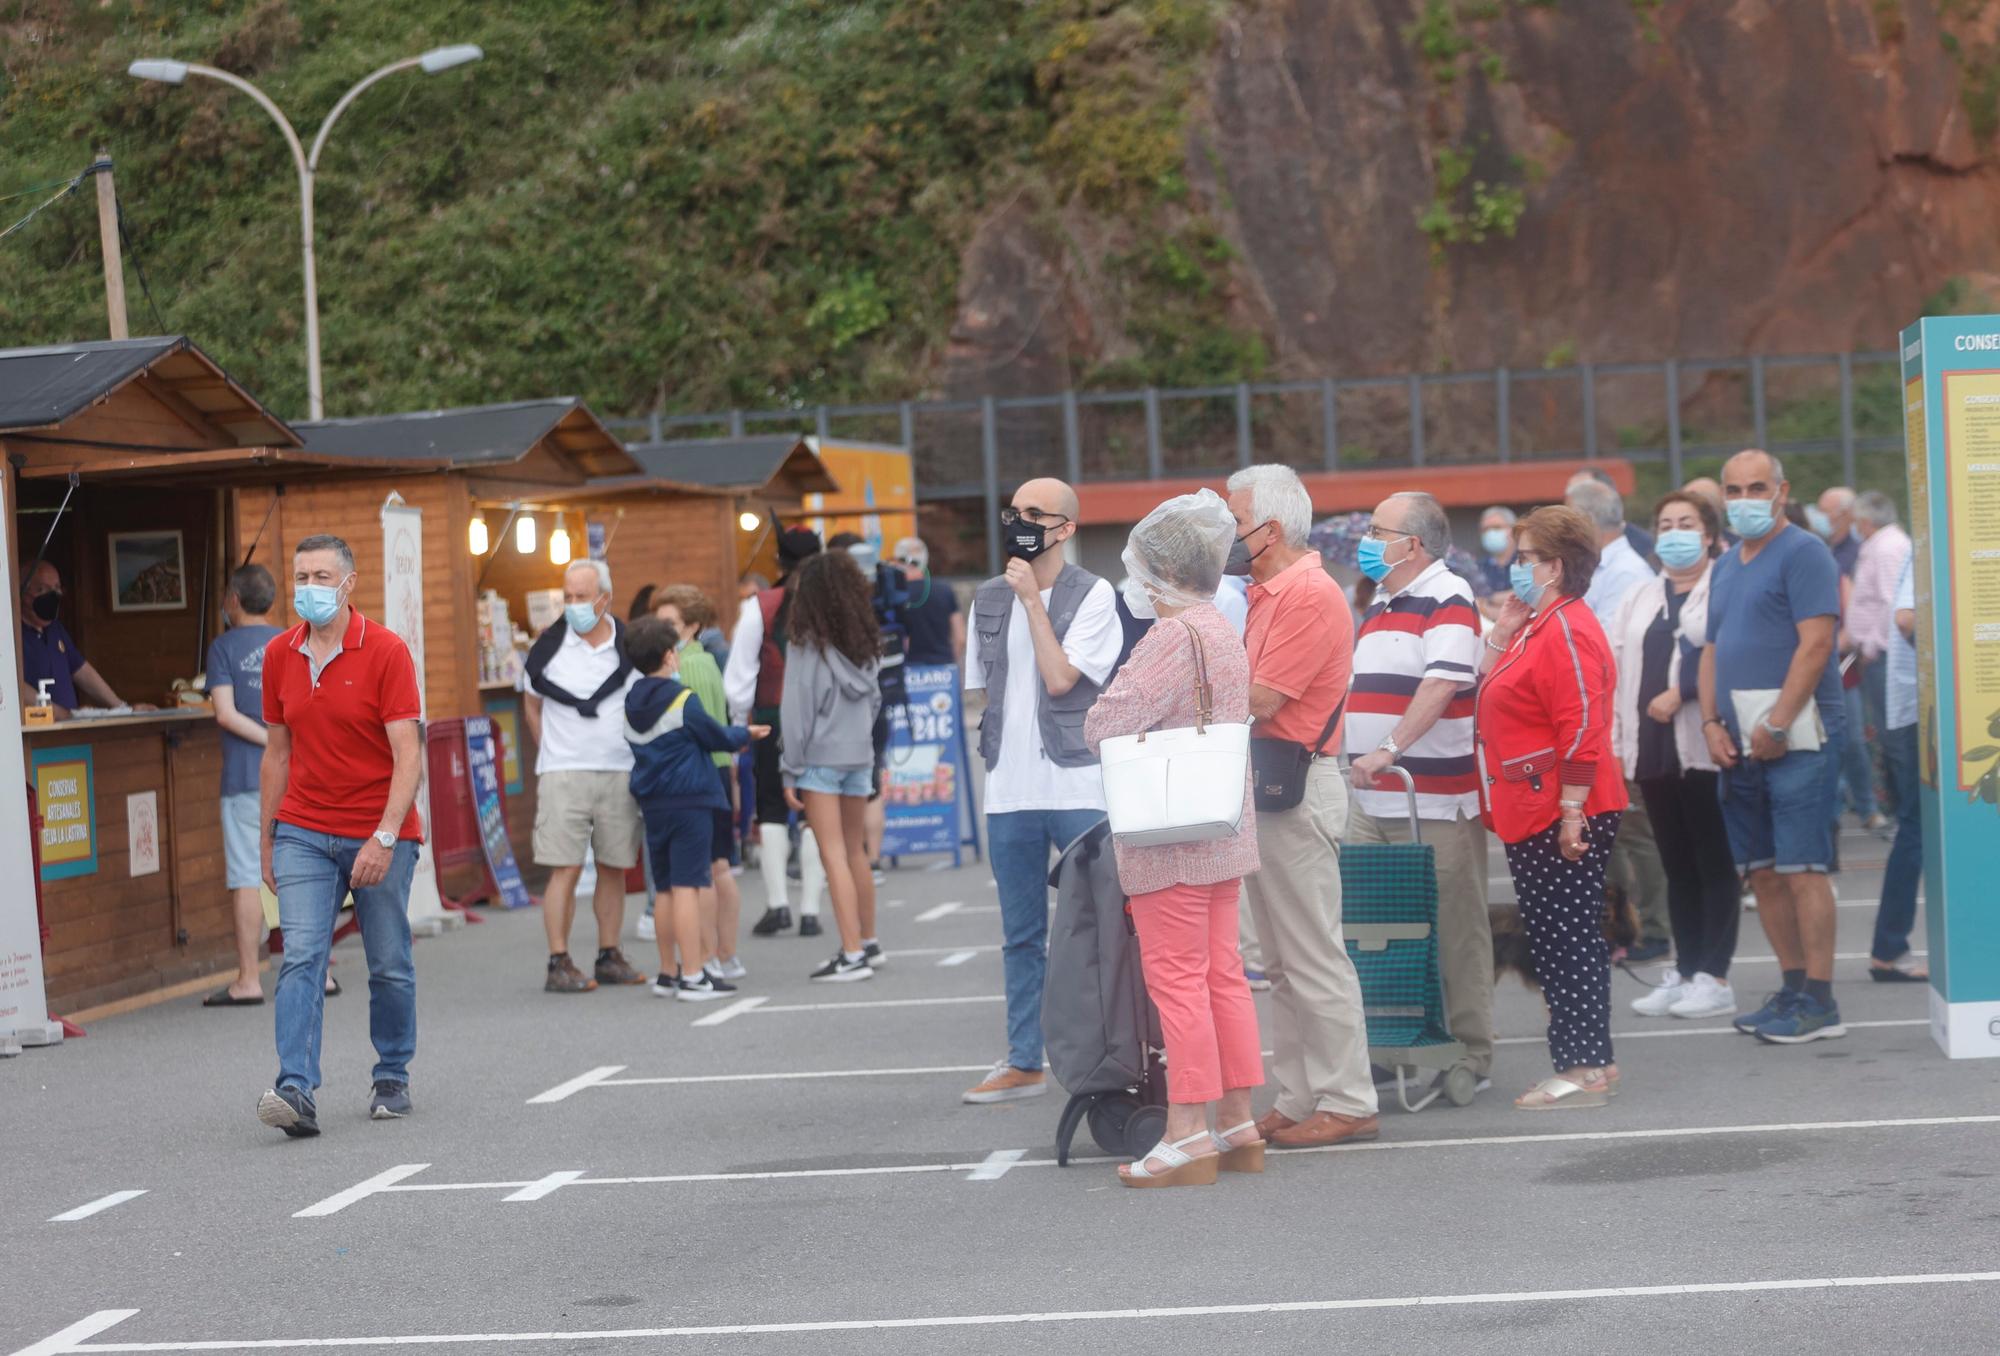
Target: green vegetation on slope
(694,204)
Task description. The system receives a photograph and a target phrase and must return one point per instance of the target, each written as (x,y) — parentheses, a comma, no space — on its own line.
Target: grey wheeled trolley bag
(1100,1027)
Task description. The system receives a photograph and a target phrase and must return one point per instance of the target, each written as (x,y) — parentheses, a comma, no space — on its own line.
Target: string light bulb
(559,544)
(524,534)
(475,536)
(748,521)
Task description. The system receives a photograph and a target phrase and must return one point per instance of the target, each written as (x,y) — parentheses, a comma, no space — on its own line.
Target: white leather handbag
(1183,785)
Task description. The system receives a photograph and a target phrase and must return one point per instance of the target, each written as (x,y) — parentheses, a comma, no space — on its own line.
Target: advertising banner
(403,613)
(1951,389)
(24,1006)
(505,713)
(485,777)
(925,782)
(69,816)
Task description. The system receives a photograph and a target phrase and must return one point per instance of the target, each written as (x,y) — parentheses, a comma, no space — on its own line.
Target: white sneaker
(1706,996)
(647,932)
(733,968)
(1661,1000)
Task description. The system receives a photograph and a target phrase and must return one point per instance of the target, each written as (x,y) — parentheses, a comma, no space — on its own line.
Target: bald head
(1708,488)
(1050,496)
(1837,504)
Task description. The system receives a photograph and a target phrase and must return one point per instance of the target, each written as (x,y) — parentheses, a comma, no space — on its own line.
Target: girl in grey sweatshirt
(827,722)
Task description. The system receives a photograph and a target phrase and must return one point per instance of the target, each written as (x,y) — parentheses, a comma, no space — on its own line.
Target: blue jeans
(1854,769)
(1905,870)
(312,871)
(1018,845)
(1781,813)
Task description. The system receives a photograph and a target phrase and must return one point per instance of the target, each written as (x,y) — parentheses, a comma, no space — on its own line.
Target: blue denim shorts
(1781,814)
(838,781)
(242,842)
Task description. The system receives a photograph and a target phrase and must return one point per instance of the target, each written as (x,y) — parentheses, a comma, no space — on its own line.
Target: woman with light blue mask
(1656,636)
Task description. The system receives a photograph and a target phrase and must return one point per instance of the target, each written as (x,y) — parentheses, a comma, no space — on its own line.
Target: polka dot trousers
(1562,911)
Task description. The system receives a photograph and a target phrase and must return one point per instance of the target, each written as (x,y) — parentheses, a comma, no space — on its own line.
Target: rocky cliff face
(1693,178)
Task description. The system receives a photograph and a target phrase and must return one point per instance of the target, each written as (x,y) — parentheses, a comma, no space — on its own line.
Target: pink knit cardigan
(1155,691)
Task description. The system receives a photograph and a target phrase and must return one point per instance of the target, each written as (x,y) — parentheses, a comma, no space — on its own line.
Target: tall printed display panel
(1951,401)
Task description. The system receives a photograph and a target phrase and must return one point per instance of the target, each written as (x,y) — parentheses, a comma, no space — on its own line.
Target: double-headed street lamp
(177,72)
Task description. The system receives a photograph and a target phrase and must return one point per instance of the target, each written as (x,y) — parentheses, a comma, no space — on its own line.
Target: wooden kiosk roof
(780,467)
(554,442)
(93,402)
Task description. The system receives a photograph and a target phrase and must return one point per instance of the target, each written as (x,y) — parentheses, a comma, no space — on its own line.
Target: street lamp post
(307,163)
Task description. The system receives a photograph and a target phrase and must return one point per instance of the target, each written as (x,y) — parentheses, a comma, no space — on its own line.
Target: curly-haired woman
(832,695)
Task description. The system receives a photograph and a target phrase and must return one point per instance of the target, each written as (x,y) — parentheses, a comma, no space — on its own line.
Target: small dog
(1510,939)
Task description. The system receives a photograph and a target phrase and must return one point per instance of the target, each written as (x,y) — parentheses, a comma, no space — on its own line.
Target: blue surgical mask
(1679,548)
(1522,576)
(582,617)
(1817,520)
(316,603)
(1750,519)
(1495,539)
(1369,556)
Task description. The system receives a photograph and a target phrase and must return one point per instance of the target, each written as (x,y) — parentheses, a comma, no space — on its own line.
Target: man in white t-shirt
(1045,636)
(577,674)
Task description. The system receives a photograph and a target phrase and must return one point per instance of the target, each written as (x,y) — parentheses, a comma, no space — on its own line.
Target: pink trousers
(1187,944)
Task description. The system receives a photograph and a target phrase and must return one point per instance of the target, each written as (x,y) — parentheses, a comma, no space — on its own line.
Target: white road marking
(1377,1146)
(942,866)
(956,958)
(101,1203)
(554,1182)
(683,1079)
(563,1091)
(1838,955)
(731,1010)
(65,1342)
(381,1181)
(996,1165)
(937,911)
(944,950)
(1679,1030)
(882,1003)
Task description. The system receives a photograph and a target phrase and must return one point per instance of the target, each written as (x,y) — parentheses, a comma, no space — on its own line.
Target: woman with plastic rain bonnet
(1184,895)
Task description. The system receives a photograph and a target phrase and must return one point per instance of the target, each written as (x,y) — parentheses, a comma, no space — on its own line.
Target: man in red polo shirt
(338,789)
(1301,643)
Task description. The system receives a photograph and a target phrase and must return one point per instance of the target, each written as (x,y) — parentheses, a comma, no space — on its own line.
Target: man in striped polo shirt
(1415,662)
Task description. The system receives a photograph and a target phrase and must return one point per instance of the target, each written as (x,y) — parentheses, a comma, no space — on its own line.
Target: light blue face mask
(582,617)
(1679,548)
(1522,577)
(1751,519)
(316,603)
(1369,556)
(1495,539)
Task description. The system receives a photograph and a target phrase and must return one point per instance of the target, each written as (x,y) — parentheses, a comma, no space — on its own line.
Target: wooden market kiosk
(134,452)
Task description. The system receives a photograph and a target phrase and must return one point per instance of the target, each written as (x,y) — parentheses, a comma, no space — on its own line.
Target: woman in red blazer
(1553,790)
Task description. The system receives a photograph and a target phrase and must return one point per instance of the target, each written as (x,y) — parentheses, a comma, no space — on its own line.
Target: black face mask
(47,605)
(1025,540)
(1240,556)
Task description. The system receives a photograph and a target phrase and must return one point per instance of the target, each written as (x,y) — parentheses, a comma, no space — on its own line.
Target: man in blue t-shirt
(1772,713)
(236,686)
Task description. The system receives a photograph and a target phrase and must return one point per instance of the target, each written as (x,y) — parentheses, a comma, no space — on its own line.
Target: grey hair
(913,548)
(1502,512)
(1875,506)
(1277,495)
(1604,506)
(592,563)
(1427,522)
(323,541)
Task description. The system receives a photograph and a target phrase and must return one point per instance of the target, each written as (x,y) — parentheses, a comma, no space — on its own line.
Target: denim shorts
(242,842)
(1781,814)
(678,844)
(838,781)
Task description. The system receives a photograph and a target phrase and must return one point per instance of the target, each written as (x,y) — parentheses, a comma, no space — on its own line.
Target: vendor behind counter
(49,654)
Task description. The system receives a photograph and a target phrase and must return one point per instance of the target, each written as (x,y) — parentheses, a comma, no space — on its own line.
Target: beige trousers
(1317,1031)
(1465,936)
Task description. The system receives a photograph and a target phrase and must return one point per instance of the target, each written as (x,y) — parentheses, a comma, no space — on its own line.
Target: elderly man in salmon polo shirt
(338,789)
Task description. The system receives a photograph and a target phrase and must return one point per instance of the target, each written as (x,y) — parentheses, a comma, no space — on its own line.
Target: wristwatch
(1768,728)
(1390,747)
(384,838)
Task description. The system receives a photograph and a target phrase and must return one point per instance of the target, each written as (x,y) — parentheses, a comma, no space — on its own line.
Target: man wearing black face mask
(48,651)
(1044,639)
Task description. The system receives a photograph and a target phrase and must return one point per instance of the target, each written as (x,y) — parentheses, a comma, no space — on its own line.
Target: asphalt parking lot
(793,1171)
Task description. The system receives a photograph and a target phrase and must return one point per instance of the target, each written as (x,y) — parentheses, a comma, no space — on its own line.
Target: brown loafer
(1327,1127)
(613,968)
(1271,1122)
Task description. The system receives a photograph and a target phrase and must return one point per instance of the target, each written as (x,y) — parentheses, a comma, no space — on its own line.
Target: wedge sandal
(1183,1169)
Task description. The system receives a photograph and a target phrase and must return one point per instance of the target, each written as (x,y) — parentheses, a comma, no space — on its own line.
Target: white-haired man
(932,621)
(1416,666)
(577,674)
(1300,639)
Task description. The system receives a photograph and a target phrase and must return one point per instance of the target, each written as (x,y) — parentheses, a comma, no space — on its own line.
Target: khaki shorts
(579,810)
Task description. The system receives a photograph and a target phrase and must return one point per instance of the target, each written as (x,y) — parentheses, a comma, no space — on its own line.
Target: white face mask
(1137,601)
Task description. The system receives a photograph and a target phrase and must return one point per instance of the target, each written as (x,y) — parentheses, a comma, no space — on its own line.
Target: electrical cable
(31,189)
(64,192)
(138,265)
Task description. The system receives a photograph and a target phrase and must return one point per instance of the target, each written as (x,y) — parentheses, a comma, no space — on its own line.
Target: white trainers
(733,968)
(1661,1000)
(1705,996)
(647,932)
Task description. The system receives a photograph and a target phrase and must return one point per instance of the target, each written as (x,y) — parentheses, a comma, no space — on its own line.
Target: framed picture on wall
(148,573)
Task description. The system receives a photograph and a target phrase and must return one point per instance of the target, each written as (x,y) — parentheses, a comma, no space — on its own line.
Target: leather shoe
(1272,1122)
(1327,1127)
(774,921)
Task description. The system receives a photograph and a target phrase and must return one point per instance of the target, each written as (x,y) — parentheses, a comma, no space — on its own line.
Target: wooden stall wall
(352,509)
(666,539)
(112,934)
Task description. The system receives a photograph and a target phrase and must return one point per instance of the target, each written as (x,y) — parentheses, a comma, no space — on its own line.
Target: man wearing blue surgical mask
(577,674)
(1496,553)
(1774,720)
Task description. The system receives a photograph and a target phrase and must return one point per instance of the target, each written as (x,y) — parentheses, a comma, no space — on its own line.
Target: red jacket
(1544,721)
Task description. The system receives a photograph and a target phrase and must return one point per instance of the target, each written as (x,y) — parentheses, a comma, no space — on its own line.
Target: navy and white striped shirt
(1430,629)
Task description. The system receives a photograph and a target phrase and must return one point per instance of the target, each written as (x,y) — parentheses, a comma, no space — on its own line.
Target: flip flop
(1891,975)
(222,998)
(333,989)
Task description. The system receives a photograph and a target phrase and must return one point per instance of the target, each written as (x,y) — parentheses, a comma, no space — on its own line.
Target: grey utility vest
(1061,717)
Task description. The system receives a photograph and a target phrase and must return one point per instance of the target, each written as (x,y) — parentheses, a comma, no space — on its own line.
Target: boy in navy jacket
(674,781)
